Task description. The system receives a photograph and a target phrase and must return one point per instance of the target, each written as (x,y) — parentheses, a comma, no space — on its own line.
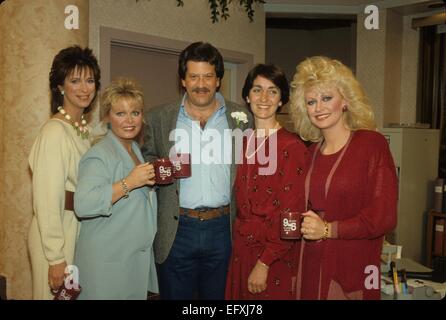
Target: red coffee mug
(163,171)
(181,165)
(70,293)
(290,225)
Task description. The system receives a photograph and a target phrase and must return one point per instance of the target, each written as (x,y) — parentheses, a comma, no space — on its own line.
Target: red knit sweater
(362,206)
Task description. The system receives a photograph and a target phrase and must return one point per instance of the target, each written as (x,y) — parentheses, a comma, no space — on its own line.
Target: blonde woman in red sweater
(350,187)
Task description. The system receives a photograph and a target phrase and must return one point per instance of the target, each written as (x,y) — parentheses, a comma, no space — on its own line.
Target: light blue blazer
(114,253)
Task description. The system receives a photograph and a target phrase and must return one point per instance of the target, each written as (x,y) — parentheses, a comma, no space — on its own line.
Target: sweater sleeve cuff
(267,257)
(54,262)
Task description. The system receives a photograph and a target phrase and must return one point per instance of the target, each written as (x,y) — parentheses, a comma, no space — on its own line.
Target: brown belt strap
(206,214)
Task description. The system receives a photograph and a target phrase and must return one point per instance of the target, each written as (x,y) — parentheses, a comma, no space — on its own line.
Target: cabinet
(415,152)
(430,234)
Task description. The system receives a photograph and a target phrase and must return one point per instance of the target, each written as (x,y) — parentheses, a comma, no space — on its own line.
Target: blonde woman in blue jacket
(116,205)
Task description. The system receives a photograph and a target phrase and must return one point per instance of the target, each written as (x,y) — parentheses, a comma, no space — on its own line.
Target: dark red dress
(256,231)
(361,205)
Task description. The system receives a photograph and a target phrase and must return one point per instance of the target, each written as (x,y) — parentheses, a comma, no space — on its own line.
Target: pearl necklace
(81,129)
(274,129)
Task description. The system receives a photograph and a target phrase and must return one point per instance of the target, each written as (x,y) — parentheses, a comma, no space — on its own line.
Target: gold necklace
(81,129)
(276,126)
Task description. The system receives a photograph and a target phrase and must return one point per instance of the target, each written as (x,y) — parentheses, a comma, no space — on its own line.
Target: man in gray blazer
(193,242)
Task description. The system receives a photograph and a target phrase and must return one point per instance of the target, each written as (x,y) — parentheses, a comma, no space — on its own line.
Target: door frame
(111,36)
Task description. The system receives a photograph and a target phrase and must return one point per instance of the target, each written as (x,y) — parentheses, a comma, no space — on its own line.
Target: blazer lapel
(169,124)
(127,161)
(135,147)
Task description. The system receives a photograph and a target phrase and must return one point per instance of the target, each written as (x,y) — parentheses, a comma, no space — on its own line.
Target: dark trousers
(197,264)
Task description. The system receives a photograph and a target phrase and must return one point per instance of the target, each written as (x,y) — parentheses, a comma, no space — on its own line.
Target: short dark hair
(201,52)
(272,73)
(63,64)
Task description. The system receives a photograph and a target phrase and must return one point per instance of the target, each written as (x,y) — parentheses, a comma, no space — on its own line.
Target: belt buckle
(200,211)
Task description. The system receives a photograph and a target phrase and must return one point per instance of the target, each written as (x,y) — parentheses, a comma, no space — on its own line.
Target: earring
(62,92)
(280,103)
(247,100)
(344,108)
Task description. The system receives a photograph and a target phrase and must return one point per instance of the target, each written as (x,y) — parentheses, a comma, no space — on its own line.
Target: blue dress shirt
(211,154)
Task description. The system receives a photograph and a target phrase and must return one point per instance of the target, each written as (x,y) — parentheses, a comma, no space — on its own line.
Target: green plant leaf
(219,8)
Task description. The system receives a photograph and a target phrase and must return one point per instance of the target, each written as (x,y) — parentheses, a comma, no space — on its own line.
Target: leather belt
(205,213)
(69,200)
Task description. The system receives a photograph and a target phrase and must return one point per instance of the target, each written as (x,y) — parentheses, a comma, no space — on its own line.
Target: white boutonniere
(239,116)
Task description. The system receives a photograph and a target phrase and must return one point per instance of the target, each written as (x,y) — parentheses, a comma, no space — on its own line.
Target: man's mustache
(201,90)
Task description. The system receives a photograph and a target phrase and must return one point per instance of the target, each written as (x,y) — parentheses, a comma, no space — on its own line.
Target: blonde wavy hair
(321,73)
(119,88)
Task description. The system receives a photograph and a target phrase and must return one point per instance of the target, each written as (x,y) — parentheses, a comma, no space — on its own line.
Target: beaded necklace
(81,129)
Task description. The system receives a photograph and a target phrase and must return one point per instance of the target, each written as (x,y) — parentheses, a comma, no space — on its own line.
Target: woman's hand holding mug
(141,175)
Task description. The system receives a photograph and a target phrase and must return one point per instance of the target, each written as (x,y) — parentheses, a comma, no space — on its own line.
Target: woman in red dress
(350,187)
(262,265)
